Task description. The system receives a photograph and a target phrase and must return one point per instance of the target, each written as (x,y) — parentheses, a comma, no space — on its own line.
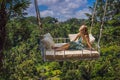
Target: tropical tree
(8,9)
(22,54)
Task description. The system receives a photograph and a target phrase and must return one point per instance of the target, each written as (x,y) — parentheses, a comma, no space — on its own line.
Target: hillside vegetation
(22,58)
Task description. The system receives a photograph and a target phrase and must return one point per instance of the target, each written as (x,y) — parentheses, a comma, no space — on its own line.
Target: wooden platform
(70,55)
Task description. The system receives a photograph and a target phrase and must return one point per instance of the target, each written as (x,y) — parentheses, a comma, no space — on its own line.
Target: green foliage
(15,7)
(23,60)
(111,35)
(22,54)
(111,50)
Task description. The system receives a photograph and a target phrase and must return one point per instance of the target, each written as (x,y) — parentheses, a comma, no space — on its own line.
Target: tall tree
(9,8)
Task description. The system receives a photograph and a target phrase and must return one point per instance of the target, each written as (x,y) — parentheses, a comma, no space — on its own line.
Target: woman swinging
(83,38)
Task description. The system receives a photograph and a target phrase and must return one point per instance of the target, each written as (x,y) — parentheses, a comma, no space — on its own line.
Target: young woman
(83,40)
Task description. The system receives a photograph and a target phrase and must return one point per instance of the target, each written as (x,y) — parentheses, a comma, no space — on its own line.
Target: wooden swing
(49,54)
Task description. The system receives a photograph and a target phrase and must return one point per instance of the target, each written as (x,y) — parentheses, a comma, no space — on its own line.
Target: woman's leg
(64,47)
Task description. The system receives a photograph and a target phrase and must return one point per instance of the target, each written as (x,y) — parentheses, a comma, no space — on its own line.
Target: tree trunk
(3,21)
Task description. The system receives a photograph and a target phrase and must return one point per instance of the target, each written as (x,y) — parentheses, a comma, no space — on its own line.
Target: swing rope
(93,14)
(100,35)
(38,14)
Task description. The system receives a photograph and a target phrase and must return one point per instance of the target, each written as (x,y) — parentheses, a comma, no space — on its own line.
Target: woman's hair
(83,29)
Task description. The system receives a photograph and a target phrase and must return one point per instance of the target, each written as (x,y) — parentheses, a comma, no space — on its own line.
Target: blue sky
(62,9)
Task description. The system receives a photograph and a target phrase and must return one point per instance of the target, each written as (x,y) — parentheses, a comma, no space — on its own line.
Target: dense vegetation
(22,58)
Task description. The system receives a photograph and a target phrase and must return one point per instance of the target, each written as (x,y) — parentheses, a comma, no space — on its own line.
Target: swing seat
(52,55)
(70,55)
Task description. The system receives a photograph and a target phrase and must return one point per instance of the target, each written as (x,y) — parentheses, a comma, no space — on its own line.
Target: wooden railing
(61,40)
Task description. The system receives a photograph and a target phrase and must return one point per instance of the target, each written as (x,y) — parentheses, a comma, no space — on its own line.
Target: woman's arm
(78,35)
(88,42)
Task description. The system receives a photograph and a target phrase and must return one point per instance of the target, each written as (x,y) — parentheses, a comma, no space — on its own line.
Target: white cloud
(73,5)
(62,9)
(47,13)
(47,2)
(81,13)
